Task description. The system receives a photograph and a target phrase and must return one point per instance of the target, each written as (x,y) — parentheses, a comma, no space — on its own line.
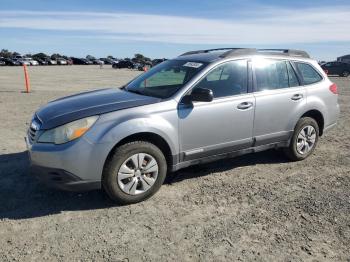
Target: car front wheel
(304,139)
(346,74)
(134,173)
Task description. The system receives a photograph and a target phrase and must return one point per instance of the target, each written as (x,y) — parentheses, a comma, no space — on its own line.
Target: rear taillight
(334,89)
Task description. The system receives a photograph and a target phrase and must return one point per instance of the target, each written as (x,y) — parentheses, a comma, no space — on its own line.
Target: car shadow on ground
(266,157)
(22,196)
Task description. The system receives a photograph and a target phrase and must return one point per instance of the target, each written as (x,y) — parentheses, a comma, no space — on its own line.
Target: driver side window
(227,79)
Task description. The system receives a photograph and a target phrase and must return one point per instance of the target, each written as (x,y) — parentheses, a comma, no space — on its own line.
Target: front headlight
(67,132)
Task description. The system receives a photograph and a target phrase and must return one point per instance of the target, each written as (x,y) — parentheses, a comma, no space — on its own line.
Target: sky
(160,28)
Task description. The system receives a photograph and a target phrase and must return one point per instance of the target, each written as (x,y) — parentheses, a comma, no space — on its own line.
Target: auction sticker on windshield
(193,64)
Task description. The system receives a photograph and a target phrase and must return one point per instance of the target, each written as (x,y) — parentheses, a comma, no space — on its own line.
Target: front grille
(33,129)
(31,135)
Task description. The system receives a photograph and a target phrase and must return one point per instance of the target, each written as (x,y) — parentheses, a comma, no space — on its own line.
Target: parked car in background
(2,61)
(201,106)
(12,62)
(337,68)
(77,61)
(138,66)
(81,61)
(123,64)
(158,61)
(62,61)
(148,65)
(143,66)
(18,57)
(42,61)
(51,61)
(23,61)
(107,61)
(89,62)
(31,61)
(345,59)
(98,62)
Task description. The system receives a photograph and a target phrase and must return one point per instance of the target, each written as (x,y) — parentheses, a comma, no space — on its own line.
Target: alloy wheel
(306,139)
(137,174)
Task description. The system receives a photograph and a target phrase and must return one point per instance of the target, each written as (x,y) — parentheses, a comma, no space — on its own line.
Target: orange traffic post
(26,78)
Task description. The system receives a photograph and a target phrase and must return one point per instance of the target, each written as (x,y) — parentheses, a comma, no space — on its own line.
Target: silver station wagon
(201,106)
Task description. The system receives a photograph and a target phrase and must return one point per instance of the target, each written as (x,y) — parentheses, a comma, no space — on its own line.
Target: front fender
(111,129)
(140,125)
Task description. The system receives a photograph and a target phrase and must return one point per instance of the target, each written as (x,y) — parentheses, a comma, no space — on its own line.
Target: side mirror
(202,95)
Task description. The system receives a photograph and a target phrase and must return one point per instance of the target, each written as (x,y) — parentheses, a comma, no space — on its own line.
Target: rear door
(279,98)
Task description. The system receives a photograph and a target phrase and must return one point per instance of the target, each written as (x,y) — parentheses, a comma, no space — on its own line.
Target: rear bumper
(333,116)
(62,179)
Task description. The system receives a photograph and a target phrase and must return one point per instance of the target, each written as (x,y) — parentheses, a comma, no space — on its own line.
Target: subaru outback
(201,106)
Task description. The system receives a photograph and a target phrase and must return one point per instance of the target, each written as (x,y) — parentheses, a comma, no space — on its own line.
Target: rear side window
(309,74)
(293,80)
(271,74)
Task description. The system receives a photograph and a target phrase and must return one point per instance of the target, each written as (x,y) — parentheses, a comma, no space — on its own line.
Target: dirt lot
(256,207)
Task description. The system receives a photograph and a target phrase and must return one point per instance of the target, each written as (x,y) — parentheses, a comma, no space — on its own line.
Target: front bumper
(62,179)
(74,166)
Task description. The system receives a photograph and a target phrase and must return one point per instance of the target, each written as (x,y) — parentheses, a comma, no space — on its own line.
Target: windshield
(165,79)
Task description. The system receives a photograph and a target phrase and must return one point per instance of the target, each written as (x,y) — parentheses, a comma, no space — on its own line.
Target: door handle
(245,105)
(297,97)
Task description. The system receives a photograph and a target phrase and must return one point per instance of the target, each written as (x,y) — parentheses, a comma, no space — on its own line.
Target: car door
(342,68)
(337,68)
(279,98)
(224,124)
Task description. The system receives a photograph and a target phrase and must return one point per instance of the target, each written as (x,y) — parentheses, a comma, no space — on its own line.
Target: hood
(67,109)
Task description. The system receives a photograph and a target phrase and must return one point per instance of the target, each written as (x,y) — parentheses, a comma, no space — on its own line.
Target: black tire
(345,74)
(291,152)
(121,154)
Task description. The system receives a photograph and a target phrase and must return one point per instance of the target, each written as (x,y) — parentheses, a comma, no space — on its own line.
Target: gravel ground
(255,207)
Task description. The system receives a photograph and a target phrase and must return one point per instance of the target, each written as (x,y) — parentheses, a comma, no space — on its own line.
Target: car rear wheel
(304,139)
(346,73)
(134,173)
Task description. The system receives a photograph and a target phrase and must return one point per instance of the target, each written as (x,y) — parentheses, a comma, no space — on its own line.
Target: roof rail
(239,51)
(251,51)
(290,52)
(210,50)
